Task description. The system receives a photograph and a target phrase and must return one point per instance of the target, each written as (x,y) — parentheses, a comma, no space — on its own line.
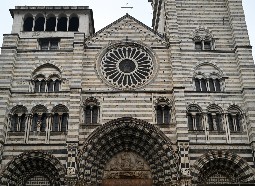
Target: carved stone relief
(127,165)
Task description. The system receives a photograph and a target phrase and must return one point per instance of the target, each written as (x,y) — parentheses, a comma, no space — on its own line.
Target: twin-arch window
(163,111)
(214,120)
(203,39)
(51,23)
(91,111)
(46,78)
(51,85)
(39,119)
(208,85)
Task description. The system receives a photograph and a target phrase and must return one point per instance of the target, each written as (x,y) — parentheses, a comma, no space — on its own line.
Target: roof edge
(131,17)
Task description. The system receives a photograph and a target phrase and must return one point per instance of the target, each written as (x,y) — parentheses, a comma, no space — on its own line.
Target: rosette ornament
(127,67)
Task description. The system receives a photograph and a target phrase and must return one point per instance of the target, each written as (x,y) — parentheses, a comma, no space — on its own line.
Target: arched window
(18,119)
(56,85)
(208,78)
(43,122)
(39,23)
(46,78)
(55,122)
(194,118)
(73,23)
(62,23)
(37,85)
(200,84)
(234,119)
(203,39)
(91,111)
(64,122)
(39,118)
(163,111)
(22,122)
(14,122)
(28,23)
(43,86)
(60,118)
(214,118)
(51,23)
(50,85)
(214,85)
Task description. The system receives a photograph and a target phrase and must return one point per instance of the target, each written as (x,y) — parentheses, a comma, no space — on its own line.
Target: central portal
(127,169)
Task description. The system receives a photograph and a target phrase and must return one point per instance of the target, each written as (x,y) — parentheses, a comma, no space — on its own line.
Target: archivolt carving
(127,135)
(233,166)
(28,164)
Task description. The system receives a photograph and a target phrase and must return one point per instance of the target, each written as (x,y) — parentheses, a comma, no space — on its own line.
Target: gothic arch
(230,163)
(127,134)
(235,108)
(212,64)
(192,106)
(28,164)
(39,108)
(60,108)
(214,108)
(45,64)
(18,109)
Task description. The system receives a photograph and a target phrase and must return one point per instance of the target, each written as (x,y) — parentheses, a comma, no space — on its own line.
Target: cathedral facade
(128,105)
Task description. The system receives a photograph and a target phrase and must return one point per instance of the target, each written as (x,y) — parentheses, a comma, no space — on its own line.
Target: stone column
(27,127)
(206,127)
(226,124)
(71,165)
(184,164)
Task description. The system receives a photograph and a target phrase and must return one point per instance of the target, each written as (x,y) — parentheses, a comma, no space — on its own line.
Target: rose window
(127,67)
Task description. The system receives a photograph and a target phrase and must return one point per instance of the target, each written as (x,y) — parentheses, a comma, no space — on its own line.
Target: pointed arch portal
(127,141)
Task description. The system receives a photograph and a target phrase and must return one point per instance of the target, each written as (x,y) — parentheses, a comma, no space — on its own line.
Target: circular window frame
(139,46)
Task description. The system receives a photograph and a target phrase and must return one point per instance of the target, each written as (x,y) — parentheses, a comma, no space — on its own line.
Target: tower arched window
(28,23)
(62,23)
(39,23)
(91,111)
(51,23)
(194,118)
(163,111)
(73,23)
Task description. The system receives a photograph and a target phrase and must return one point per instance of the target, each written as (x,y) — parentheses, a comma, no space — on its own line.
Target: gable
(124,29)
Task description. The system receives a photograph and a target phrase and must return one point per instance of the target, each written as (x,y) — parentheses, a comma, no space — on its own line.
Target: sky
(107,11)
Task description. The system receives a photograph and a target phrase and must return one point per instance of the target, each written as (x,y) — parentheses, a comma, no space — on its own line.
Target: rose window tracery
(127,67)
